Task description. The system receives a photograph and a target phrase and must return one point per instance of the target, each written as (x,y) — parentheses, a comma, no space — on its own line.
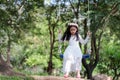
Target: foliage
(109,58)
(28,29)
(14,78)
(37,60)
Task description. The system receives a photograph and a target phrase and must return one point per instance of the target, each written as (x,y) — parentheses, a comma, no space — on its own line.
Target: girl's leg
(67,68)
(66,74)
(78,74)
(78,67)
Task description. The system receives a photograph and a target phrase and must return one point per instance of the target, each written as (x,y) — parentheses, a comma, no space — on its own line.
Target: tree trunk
(89,74)
(87,66)
(116,75)
(88,69)
(6,69)
(52,41)
(1,59)
(95,50)
(8,50)
(4,66)
(50,67)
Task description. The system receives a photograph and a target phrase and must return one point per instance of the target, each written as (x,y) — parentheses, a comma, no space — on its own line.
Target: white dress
(73,55)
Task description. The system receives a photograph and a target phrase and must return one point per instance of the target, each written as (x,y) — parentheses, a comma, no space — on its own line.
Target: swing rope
(58,12)
(88,24)
(88,16)
(87,55)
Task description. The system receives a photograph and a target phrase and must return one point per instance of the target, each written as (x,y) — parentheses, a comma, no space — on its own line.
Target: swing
(85,56)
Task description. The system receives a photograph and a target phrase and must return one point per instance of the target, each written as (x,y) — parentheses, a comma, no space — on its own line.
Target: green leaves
(57,62)
(109,58)
(37,59)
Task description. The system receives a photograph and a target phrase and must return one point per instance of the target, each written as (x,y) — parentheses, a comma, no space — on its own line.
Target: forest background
(29,36)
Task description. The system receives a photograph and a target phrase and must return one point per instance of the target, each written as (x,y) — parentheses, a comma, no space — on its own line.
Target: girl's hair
(67,34)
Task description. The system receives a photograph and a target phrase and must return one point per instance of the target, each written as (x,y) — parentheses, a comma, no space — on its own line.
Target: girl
(73,54)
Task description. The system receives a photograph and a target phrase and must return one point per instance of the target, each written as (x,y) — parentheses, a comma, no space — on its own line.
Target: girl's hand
(89,33)
(60,31)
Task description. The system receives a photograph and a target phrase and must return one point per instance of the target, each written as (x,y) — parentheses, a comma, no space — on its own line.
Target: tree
(99,20)
(52,23)
(12,26)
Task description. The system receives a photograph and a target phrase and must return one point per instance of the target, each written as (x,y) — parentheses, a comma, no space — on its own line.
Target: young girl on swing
(73,54)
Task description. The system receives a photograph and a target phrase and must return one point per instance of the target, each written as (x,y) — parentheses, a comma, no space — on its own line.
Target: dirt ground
(53,78)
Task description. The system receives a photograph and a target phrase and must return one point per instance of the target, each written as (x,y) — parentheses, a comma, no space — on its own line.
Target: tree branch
(105,19)
(72,7)
(78,6)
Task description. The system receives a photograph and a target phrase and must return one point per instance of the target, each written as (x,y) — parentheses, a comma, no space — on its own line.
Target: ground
(53,78)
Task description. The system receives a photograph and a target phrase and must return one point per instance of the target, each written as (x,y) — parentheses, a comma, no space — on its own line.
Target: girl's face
(73,30)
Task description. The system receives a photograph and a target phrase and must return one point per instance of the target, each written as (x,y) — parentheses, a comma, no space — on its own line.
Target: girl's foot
(66,76)
(78,76)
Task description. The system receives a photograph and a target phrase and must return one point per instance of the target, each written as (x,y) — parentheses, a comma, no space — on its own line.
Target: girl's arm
(84,41)
(59,37)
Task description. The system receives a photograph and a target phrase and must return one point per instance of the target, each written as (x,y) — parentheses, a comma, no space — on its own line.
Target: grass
(15,78)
